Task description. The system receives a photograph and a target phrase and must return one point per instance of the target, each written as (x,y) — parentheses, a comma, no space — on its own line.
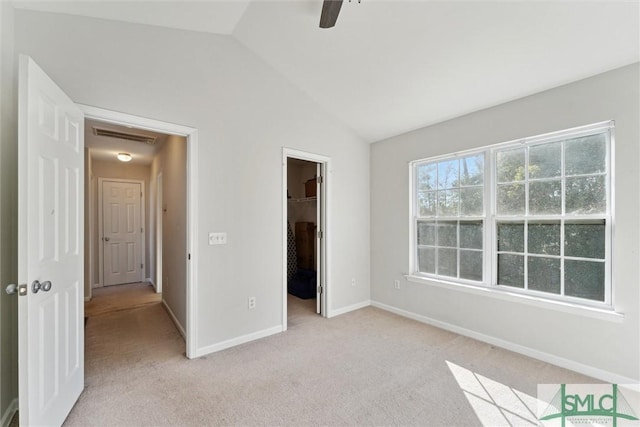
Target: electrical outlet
(353,282)
(252,303)
(396,284)
(217,238)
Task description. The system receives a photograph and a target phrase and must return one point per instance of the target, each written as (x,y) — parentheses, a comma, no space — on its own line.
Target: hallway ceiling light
(124,157)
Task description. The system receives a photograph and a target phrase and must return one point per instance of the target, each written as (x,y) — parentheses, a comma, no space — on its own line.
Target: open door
(319,236)
(50,249)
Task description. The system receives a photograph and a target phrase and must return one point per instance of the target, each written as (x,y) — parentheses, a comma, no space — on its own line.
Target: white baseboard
(87,299)
(591,371)
(96,285)
(202,351)
(174,319)
(8,414)
(347,309)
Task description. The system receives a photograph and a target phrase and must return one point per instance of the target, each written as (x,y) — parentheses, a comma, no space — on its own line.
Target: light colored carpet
(368,367)
(121,297)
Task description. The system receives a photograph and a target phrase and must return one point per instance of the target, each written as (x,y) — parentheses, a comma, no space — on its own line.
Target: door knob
(106,239)
(15,289)
(44,286)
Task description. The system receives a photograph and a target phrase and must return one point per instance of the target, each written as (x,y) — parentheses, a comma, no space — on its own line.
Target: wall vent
(150,140)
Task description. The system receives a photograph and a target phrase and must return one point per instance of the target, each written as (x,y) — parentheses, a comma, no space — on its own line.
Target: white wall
(171,161)
(8,218)
(245,113)
(599,344)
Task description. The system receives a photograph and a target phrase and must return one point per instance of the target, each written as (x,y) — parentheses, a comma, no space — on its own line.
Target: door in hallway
(122,232)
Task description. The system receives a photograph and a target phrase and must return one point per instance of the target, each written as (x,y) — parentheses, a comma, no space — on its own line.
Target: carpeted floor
(368,367)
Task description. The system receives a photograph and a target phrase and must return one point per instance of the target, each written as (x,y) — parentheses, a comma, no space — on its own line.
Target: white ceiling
(211,16)
(392,66)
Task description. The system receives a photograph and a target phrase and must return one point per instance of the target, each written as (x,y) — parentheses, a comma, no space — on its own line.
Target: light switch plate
(217,238)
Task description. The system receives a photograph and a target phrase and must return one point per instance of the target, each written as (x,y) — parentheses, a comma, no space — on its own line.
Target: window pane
(448,234)
(510,165)
(545,198)
(510,199)
(448,201)
(426,233)
(471,235)
(471,265)
(448,174)
(427,175)
(471,201)
(586,195)
(544,239)
(427,204)
(584,240)
(544,274)
(427,260)
(448,262)
(472,170)
(585,155)
(511,270)
(510,237)
(544,160)
(584,279)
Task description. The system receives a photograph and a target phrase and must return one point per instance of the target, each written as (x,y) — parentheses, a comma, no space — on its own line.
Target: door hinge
(141,230)
(319,289)
(189,256)
(319,179)
(141,265)
(320,234)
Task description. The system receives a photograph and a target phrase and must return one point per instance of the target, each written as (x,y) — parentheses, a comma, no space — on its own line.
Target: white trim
(522,298)
(9,413)
(143,248)
(125,119)
(591,371)
(202,351)
(192,247)
(349,308)
(87,299)
(158,231)
(174,319)
(325,226)
(191,135)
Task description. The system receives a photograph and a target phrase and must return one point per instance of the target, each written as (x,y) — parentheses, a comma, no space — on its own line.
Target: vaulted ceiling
(392,66)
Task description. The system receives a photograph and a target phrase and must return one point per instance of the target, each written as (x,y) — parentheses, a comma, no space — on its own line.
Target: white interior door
(121,232)
(50,249)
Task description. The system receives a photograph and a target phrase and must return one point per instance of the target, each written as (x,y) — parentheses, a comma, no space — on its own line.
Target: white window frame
(491,220)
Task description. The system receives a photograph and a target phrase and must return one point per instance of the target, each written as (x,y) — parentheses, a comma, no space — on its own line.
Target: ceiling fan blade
(330,11)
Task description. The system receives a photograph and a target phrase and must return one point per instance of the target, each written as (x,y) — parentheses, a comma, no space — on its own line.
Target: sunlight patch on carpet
(494,403)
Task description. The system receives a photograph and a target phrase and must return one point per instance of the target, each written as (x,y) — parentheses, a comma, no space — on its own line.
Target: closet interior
(302,220)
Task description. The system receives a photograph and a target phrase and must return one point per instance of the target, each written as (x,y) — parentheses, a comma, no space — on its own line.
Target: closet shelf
(303,200)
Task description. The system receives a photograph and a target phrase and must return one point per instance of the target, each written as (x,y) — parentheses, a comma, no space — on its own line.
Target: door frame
(191,135)
(325,242)
(158,232)
(100,225)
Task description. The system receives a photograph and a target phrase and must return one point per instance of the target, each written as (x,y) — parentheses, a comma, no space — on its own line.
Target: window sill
(566,307)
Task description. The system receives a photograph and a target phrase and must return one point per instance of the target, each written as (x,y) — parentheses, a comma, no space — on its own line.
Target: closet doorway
(305,231)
